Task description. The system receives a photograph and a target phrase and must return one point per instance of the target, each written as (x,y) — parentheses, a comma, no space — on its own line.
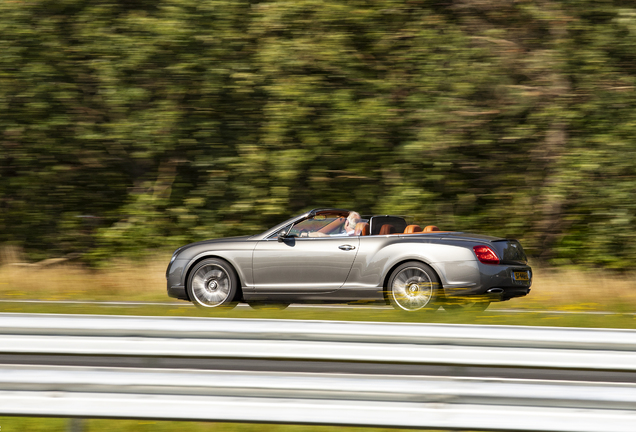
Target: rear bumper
(507,293)
(492,294)
(497,283)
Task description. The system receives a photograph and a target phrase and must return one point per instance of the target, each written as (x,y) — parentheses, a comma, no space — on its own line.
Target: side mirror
(282,235)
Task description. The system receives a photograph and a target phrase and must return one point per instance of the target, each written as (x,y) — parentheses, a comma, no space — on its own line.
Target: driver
(350,223)
(348,229)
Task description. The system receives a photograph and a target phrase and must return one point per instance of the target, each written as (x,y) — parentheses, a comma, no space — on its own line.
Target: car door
(303,265)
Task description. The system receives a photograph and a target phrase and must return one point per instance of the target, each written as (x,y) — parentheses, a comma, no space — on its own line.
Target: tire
(468,306)
(213,283)
(261,305)
(413,286)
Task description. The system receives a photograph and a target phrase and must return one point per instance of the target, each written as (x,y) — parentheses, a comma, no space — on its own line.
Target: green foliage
(172,121)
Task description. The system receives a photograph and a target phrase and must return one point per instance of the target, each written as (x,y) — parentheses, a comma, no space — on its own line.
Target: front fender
(240,260)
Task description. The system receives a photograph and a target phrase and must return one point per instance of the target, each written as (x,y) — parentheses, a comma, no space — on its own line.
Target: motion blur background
(132,125)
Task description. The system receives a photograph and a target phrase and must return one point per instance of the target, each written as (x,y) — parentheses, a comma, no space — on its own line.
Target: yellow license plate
(521,276)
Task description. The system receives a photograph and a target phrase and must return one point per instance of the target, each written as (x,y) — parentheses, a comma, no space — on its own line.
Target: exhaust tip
(495,291)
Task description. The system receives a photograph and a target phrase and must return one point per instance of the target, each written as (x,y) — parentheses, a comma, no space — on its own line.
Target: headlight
(174,256)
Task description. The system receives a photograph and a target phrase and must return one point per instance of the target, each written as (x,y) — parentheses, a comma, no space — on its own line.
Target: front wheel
(413,286)
(213,283)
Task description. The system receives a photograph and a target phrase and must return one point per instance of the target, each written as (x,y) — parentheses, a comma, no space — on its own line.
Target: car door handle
(346,247)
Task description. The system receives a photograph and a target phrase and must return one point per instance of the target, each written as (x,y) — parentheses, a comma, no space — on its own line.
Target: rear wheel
(213,283)
(413,286)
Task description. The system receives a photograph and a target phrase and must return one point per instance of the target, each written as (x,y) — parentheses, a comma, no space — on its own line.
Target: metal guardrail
(341,331)
(340,399)
(325,398)
(503,346)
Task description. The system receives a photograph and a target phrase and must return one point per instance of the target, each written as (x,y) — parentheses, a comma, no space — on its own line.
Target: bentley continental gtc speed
(337,256)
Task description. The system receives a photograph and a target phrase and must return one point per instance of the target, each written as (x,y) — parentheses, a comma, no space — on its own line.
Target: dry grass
(123,280)
(577,290)
(145,281)
(589,290)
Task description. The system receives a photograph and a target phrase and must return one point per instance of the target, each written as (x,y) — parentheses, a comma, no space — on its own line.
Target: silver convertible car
(311,258)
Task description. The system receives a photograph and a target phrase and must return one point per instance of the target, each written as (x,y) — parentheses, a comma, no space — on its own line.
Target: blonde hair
(353,219)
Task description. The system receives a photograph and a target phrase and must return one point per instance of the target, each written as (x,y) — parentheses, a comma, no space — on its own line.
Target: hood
(215,241)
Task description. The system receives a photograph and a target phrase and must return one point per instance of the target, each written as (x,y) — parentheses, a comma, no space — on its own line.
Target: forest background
(136,125)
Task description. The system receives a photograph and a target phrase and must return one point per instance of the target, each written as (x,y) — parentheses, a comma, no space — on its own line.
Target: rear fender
(455,265)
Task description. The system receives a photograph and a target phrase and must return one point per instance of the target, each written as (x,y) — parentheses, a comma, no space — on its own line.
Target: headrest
(362,229)
(387,229)
(410,229)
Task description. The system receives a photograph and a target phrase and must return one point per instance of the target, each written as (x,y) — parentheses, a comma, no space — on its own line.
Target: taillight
(486,255)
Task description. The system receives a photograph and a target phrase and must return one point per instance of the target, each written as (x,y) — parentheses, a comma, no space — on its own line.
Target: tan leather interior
(412,229)
(332,226)
(362,229)
(387,229)
(431,228)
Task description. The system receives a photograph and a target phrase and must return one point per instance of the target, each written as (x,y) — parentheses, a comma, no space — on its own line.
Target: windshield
(327,224)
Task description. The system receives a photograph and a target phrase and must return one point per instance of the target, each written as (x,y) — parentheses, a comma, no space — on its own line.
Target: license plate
(521,276)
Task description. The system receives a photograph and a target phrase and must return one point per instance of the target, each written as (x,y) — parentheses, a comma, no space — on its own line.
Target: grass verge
(145,281)
(574,319)
(31,424)
(566,290)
